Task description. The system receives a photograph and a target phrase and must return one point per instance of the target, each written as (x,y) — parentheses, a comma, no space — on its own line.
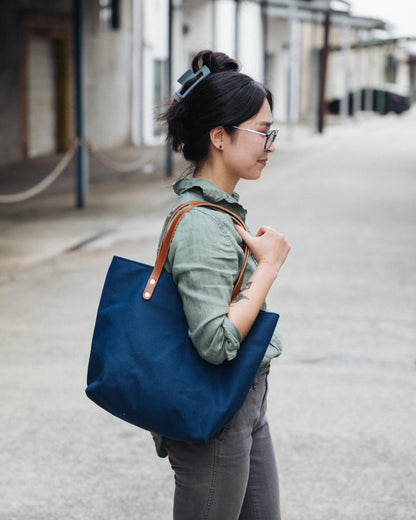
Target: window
(109,14)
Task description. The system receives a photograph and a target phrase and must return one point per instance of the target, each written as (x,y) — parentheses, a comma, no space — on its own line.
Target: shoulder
(205,237)
(210,223)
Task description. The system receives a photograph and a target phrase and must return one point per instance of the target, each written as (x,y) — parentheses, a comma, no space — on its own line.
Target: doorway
(47,96)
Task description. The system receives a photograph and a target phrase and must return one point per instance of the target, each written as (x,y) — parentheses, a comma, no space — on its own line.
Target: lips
(263,161)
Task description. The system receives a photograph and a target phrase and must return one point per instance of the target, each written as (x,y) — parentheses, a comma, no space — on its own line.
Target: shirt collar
(210,192)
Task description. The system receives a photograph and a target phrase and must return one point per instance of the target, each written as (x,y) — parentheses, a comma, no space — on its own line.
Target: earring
(220,146)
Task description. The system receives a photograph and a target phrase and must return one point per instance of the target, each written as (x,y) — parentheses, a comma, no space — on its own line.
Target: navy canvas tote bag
(143,367)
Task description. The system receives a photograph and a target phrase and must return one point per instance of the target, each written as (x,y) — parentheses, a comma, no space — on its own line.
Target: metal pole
(169,162)
(81,159)
(322,74)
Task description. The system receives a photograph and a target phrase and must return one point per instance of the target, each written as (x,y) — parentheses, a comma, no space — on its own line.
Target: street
(342,397)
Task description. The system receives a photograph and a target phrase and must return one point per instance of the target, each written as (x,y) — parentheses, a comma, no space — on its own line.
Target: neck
(213,171)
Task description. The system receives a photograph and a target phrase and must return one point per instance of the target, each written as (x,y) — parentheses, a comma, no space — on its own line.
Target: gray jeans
(233,476)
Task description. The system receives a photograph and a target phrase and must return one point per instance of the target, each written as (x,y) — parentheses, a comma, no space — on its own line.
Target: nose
(272,148)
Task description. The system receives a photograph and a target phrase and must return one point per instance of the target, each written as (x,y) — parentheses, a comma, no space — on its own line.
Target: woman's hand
(268,247)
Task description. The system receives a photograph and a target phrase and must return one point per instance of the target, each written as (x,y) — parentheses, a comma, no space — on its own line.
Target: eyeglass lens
(270,140)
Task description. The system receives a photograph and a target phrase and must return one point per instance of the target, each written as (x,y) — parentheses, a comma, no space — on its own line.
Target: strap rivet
(152,281)
(147,295)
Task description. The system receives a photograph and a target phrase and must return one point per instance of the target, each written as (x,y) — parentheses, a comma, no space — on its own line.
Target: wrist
(268,269)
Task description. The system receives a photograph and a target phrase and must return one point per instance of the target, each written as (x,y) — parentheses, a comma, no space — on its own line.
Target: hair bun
(215,61)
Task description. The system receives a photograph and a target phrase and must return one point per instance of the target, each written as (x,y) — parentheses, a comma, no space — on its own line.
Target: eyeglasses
(270,136)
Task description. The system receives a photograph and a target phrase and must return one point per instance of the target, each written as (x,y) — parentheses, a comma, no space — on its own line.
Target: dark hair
(226,97)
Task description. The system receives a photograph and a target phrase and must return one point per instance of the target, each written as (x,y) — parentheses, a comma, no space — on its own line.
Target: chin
(255,176)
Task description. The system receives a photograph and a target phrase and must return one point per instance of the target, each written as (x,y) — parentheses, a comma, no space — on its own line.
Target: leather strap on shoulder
(168,233)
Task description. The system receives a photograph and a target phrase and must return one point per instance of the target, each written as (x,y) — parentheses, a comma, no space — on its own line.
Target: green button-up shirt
(205,259)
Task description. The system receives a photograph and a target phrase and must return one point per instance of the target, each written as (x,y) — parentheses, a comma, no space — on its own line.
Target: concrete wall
(10,130)
(108,78)
(119,75)
(13,74)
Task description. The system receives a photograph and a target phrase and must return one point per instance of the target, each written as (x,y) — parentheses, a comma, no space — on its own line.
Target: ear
(216,136)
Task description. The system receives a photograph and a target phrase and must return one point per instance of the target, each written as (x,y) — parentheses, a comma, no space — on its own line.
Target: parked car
(390,98)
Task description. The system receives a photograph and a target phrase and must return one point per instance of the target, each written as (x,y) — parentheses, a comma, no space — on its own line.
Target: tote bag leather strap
(168,233)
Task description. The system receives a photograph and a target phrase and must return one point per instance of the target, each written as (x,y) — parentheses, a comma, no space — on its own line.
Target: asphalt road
(342,396)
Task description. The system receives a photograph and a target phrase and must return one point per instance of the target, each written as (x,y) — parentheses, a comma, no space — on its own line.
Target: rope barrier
(63,163)
(47,181)
(117,166)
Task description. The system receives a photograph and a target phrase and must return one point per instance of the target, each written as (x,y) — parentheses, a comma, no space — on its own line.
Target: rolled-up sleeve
(205,258)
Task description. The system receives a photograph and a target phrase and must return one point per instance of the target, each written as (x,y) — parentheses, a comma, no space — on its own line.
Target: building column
(250,39)
(224,26)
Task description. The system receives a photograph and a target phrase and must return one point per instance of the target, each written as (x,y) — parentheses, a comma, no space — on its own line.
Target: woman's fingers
(267,246)
(245,235)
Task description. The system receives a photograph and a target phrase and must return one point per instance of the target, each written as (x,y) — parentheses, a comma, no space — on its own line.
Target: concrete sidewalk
(342,396)
(49,224)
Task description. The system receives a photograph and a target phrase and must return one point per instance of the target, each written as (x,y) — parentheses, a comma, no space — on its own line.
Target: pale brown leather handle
(170,228)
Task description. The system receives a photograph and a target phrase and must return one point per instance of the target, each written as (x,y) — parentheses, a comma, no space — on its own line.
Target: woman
(220,120)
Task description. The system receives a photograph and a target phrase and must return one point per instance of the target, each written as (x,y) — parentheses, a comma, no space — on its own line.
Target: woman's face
(244,155)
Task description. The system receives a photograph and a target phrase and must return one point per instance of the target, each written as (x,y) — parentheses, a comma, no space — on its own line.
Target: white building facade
(131,47)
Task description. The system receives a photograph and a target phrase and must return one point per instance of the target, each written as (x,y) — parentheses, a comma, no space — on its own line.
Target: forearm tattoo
(240,295)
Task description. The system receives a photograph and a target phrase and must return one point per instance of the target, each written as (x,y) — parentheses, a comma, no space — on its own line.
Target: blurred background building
(310,53)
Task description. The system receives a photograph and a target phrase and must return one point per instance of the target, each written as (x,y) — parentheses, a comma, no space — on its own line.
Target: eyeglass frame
(271,134)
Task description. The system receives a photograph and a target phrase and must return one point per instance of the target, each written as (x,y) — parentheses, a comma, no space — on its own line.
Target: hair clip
(199,75)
